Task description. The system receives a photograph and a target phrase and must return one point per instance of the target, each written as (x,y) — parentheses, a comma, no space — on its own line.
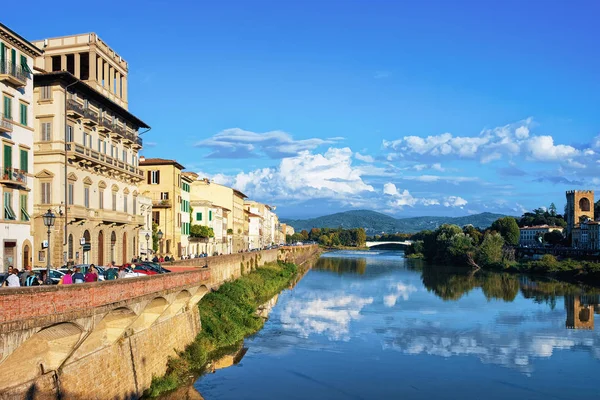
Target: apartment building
(228,199)
(166,187)
(16,159)
(207,214)
(529,234)
(89,59)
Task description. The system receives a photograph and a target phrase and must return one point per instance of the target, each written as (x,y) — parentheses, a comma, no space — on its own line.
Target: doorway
(100,248)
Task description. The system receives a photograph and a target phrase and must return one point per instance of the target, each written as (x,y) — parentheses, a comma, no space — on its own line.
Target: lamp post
(49,218)
(159,235)
(147,246)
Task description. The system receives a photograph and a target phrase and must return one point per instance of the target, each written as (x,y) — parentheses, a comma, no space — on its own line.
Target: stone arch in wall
(106,332)
(153,310)
(27,253)
(584,204)
(181,300)
(101,248)
(44,351)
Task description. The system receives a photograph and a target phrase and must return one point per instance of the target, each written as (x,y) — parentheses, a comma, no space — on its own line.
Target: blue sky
(408,108)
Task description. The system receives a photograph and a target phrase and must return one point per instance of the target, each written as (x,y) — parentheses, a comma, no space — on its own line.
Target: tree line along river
(374,325)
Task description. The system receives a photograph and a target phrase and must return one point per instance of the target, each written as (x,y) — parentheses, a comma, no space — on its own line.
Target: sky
(409,108)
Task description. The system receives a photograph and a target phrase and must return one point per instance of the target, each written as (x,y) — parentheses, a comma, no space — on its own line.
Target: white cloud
(239,143)
(365,158)
(454,201)
(403,198)
(542,148)
(400,290)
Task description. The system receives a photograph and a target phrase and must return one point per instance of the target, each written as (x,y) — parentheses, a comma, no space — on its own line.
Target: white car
(55,274)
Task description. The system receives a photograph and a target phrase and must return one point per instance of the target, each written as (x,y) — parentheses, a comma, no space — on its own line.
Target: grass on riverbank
(227,316)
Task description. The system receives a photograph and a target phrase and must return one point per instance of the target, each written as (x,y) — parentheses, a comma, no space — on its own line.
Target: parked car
(84,269)
(55,274)
(155,266)
(143,269)
(130,273)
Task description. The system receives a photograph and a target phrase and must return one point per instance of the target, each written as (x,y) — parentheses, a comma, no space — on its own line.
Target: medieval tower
(580,203)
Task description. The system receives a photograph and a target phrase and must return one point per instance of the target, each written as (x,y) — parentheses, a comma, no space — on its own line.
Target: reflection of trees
(500,286)
(342,265)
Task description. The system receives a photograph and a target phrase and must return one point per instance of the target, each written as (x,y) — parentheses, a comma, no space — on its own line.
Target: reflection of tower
(579,314)
(579,203)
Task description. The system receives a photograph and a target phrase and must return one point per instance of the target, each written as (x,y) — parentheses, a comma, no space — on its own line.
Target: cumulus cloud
(401,198)
(542,148)
(365,158)
(239,143)
(454,201)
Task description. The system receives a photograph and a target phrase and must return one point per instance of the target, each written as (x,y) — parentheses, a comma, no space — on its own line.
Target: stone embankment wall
(107,340)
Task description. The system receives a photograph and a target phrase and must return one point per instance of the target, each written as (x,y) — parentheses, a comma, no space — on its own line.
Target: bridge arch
(177,305)
(45,351)
(151,312)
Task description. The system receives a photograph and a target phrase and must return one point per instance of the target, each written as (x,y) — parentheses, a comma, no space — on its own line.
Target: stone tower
(579,316)
(579,203)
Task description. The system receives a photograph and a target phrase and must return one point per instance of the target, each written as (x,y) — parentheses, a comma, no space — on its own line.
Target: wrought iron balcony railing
(15,70)
(15,175)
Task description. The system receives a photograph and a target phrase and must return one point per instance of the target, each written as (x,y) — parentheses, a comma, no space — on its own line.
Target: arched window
(584,204)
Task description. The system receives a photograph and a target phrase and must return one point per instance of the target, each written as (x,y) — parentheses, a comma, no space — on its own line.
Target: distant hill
(375,223)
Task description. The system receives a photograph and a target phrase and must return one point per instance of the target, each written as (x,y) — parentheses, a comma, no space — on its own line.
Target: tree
(154,237)
(552,209)
(324,240)
(508,228)
(304,235)
(490,251)
(554,238)
(360,238)
(201,231)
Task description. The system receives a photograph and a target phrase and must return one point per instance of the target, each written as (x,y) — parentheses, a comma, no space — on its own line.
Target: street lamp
(49,218)
(159,235)
(147,246)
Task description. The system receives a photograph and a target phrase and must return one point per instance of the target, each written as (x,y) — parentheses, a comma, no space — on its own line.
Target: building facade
(580,205)
(528,235)
(145,243)
(16,159)
(163,183)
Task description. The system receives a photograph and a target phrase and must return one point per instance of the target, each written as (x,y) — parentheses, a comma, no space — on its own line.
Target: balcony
(161,203)
(5,125)
(13,176)
(74,109)
(79,153)
(105,125)
(119,217)
(90,117)
(13,74)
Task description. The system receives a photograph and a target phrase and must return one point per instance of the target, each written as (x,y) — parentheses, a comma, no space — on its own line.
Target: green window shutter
(24,160)
(2,57)
(24,65)
(13,57)
(210,215)
(7,108)
(23,114)
(199,216)
(7,156)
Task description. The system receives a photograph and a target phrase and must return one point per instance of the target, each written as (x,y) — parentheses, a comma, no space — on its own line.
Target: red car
(142,269)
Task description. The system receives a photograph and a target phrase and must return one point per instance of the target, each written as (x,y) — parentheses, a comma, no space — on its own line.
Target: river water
(373,325)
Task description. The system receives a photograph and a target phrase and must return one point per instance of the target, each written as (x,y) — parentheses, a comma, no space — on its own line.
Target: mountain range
(377,223)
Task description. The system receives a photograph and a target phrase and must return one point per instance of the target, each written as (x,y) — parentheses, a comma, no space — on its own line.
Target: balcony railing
(5,124)
(74,109)
(106,124)
(103,160)
(161,203)
(90,117)
(13,175)
(13,73)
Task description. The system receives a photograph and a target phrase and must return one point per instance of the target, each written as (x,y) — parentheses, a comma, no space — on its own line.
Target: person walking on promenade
(13,279)
(25,275)
(33,280)
(122,272)
(91,275)
(111,272)
(78,276)
(67,279)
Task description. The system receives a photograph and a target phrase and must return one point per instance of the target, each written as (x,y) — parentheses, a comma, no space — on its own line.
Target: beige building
(207,214)
(228,199)
(165,185)
(86,171)
(16,158)
(528,234)
(89,59)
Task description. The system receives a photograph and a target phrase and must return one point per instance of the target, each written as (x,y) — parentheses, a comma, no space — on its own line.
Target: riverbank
(227,316)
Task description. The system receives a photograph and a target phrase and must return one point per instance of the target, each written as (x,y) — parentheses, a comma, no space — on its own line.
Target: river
(373,325)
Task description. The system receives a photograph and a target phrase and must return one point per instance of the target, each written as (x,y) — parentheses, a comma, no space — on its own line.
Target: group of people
(26,278)
(29,278)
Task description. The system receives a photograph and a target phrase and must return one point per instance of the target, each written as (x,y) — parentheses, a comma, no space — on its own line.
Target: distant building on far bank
(580,205)
(529,234)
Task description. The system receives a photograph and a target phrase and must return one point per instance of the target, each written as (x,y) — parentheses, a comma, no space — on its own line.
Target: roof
(160,161)
(30,47)
(540,227)
(70,79)
(240,193)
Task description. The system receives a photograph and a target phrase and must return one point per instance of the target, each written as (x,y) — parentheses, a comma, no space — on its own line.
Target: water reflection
(580,311)
(342,265)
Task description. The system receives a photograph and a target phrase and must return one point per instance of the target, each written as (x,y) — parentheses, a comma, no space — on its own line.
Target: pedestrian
(35,280)
(25,275)
(67,279)
(122,272)
(13,279)
(78,276)
(111,272)
(91,275)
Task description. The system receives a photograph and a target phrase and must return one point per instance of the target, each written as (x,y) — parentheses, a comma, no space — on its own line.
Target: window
(210,215)
(134,205)
(85,139)
(7,107)
(23,204)
(46,93)
(125,155)
(24,66)
(70,247)
(104,147)
(101,199)
(114,201)
(69,133)
(125,203)
(156,217)
(99,145)
(86,196)
(24,160)
(179,220)
(23,108)
(45,192)
(199,216)
(112,151)
(164,195)
(8,210)
(71,194)
(153,177)
(47,132)
(7,158)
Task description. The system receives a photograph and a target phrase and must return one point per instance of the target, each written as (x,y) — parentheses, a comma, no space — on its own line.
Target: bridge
(404,243)
(107,340)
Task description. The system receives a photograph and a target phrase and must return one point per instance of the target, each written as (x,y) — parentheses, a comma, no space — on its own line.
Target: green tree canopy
(508,228)
(201,231)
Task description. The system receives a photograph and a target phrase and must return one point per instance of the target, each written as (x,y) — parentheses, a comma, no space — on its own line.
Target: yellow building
(16,156)
(229,199)
(165,184)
